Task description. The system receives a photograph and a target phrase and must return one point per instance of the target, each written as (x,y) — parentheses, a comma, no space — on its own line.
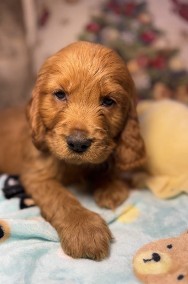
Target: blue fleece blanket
(30,251)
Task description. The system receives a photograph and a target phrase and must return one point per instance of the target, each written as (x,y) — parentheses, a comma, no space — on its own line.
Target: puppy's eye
(169,246)
(107,102)
(60,95)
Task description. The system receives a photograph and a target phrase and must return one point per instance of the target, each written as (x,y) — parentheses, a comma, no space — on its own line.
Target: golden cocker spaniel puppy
(82,126)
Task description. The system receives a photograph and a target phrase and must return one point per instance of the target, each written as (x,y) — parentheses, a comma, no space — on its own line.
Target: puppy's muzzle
(78,142)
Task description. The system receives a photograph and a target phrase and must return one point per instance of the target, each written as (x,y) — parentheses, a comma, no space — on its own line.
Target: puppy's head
(83,107)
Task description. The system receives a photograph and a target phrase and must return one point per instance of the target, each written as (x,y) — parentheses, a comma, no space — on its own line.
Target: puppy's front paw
(111,195)
(84,234)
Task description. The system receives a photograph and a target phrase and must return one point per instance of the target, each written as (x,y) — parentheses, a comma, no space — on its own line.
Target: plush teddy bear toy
(163,262)
(164,128)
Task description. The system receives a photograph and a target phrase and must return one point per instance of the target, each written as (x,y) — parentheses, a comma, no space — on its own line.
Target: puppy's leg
(110,192)
(83,233)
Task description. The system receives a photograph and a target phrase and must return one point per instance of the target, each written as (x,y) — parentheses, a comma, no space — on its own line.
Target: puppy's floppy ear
(130,151)
(35,121)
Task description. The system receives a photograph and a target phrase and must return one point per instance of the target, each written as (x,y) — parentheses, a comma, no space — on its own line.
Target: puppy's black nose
(78,142)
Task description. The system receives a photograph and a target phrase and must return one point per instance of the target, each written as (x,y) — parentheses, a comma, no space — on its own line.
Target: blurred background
(151,36)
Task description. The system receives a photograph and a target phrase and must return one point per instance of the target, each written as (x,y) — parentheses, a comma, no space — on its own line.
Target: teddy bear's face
(162,258)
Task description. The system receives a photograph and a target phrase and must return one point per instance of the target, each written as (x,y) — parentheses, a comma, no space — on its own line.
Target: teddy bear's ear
(185,234)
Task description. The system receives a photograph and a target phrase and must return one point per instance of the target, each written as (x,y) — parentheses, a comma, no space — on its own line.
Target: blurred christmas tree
(127,26)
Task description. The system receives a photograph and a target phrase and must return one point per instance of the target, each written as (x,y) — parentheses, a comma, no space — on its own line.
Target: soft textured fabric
(164,128)
(30,251)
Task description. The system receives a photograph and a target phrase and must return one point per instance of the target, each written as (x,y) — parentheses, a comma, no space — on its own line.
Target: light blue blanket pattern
(32,253)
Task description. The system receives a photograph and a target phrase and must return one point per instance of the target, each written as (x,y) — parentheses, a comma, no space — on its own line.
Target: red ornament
(43,18)
(129,9)
(114,7)
(148,37)
(143,61)
(158,62)
(93,27)
(181,8)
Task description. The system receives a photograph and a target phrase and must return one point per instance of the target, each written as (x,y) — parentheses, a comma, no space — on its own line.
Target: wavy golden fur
(84,126)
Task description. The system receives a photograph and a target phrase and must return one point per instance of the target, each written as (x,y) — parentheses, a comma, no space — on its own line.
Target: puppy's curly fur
(83,92)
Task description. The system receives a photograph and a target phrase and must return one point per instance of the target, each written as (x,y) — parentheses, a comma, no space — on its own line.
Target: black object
(13,191)
(12,188)
(155,256)
(23,203)
(180,277)
(1,233)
